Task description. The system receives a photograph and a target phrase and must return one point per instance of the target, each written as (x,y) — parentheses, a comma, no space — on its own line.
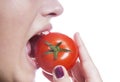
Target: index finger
(84,56)
(89,69)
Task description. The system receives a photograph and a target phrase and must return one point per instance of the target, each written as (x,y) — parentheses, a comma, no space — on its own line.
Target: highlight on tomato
(55,49)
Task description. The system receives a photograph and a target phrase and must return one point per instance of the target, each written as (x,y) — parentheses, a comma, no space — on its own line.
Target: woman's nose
(52,8)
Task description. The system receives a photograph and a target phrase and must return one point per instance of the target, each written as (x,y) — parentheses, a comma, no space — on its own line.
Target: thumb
(60,74)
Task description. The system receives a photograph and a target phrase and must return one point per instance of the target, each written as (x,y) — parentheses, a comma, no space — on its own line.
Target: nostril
(52,14)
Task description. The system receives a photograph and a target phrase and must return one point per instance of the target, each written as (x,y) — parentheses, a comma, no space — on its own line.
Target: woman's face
(20,20)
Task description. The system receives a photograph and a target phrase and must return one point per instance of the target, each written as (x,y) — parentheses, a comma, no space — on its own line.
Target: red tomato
(55,49)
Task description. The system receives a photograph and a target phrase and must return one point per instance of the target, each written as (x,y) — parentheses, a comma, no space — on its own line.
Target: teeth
(45,32)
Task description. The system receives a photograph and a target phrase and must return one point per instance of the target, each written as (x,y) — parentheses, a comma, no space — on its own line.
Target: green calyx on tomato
(55,49)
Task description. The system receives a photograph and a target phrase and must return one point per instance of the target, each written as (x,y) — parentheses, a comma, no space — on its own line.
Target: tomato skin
(47,61)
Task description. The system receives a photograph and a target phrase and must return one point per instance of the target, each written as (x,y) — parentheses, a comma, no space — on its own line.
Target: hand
(86,68)
(83,71)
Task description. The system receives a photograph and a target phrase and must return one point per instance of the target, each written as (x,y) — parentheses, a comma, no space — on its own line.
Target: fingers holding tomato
(55,49)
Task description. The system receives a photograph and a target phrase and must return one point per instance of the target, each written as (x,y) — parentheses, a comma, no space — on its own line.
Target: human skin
(19,21)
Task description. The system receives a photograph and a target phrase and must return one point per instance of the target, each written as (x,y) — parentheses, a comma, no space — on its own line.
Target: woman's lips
(46,28)
(28,48)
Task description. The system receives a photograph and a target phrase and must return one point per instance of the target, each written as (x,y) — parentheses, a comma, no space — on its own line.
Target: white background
(98,22)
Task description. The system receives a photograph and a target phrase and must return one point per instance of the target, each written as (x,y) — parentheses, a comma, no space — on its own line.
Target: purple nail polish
(59,72)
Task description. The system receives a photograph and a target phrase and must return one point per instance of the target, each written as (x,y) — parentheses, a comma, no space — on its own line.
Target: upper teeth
(45,32)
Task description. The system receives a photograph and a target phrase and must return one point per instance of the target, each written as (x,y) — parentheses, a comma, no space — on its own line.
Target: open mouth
(32,42)
(31,45)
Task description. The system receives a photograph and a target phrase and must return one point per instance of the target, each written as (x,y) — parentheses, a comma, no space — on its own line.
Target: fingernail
(59,72)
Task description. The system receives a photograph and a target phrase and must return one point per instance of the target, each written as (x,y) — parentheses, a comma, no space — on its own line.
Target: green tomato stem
(55,49)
